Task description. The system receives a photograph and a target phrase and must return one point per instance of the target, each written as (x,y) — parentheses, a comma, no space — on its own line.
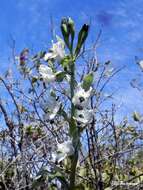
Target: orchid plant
(64,53)
(60,130)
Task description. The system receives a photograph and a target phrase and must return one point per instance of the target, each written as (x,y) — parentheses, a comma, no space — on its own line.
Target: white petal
(61,157)
(81,96)
(51,106)
(57,51)
(84,116)
(58,157)
(66,148)
(47,73)
(47,56)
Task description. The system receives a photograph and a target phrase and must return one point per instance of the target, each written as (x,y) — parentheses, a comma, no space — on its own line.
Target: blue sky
(28,21)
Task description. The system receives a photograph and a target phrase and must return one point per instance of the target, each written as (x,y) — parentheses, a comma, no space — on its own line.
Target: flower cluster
(51,105)
(81,102)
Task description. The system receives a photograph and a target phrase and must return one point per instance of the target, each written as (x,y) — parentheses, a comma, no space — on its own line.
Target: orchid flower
(64,150)
(51,106)
(47,73)
(57,51)
(84,116)
(81,97)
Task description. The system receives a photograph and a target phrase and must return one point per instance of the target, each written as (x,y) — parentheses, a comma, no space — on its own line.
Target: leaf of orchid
(87,81)
(81,38)
(60,76)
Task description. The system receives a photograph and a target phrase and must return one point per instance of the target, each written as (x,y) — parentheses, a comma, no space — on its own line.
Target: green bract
(87,81)
(65,62)
(60,76)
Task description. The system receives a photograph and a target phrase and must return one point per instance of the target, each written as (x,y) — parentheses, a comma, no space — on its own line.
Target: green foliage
(87,81)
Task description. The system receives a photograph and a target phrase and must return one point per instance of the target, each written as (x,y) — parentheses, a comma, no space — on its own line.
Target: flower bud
(71,30)
(65,30)
(68,31)
(81,38)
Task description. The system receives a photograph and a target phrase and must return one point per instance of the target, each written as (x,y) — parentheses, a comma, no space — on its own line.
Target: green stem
(73,132)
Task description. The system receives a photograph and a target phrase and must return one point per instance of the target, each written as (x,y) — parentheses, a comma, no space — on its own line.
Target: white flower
(51,106)
(47,73)
(64,150)
(58,157)
(141,64)
(57,51)
(84,116)
(81,97)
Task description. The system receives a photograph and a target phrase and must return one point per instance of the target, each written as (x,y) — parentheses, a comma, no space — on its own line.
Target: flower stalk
(73,131)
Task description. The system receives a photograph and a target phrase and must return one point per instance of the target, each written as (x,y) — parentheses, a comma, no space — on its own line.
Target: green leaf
(60,76)
(87,81)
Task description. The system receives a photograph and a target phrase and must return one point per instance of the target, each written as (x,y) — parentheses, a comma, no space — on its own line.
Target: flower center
(81,116)
(81,99)
(79,107)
